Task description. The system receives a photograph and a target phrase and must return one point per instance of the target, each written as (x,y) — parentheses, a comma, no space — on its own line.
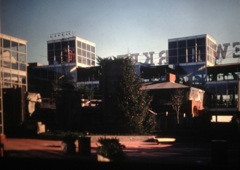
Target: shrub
(111,148)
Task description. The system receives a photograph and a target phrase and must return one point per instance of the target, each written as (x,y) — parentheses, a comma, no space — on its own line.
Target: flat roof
(191,37)
(9,37)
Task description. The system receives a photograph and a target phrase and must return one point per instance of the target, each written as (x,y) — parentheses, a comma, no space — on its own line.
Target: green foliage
(128,103)
(86,91)
(111,148)
(133,102)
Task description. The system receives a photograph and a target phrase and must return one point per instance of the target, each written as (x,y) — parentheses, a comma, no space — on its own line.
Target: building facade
(13,79)
(190,56)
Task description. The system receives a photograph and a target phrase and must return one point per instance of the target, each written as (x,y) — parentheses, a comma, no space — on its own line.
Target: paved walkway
(139,153)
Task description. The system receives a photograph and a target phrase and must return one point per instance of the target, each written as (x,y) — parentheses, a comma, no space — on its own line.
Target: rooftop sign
(161,58)
(61,35)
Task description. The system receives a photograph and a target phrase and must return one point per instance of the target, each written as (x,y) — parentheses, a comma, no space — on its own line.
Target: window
(22,57)
(57,46)
(14,46)
(84,46)
(6,43)
(88,54)
(191,43)
(15,56)
(172,52)
(88,47)
(22,66)
(201,42)
(22,48)
(93,49)
(182,44)
(79,44)
(50,47)
(79,51)
(172,45)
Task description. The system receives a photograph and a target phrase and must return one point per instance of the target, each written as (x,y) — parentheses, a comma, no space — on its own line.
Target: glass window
(93,63)
(7,77)
(93,56)
(50,46)
(6,43)
(182,51)
(0,42)
(190,58)
(22,58)
(84,46)
(88,54)
(79,59)
(22,48)
(191,43)
(182,44)
(79,51)
(93,49)
(14,58)
(172,60)
(182,59)
(88,47)
(172,52)
(201,42)
(172,45)
(57,46)
(6,64)
(84,60)
(79,44)
(72,44)
(6,55)
(84,53)
(14,46)
(64,45)
(22,66)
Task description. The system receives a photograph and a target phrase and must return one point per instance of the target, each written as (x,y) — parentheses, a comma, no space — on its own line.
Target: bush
(111,148)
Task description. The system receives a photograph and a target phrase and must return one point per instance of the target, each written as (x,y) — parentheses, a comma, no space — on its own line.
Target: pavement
(35,153)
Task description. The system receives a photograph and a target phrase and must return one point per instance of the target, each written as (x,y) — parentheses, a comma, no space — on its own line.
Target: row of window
(15,46)
(13,56)
(64,45)
(86,61)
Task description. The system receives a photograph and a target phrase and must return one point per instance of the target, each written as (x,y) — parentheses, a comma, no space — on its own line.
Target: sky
(119,26)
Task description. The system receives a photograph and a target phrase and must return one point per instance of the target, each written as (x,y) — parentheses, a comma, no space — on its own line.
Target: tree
(177,101)
(131,103)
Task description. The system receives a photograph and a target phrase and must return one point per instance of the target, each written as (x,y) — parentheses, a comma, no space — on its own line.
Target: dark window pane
(72,44)
(172,45)
(201,42)
(191,43)
(14,46)
(57,46)
(50,47)
(6,43)
(182,44)
(172,52)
